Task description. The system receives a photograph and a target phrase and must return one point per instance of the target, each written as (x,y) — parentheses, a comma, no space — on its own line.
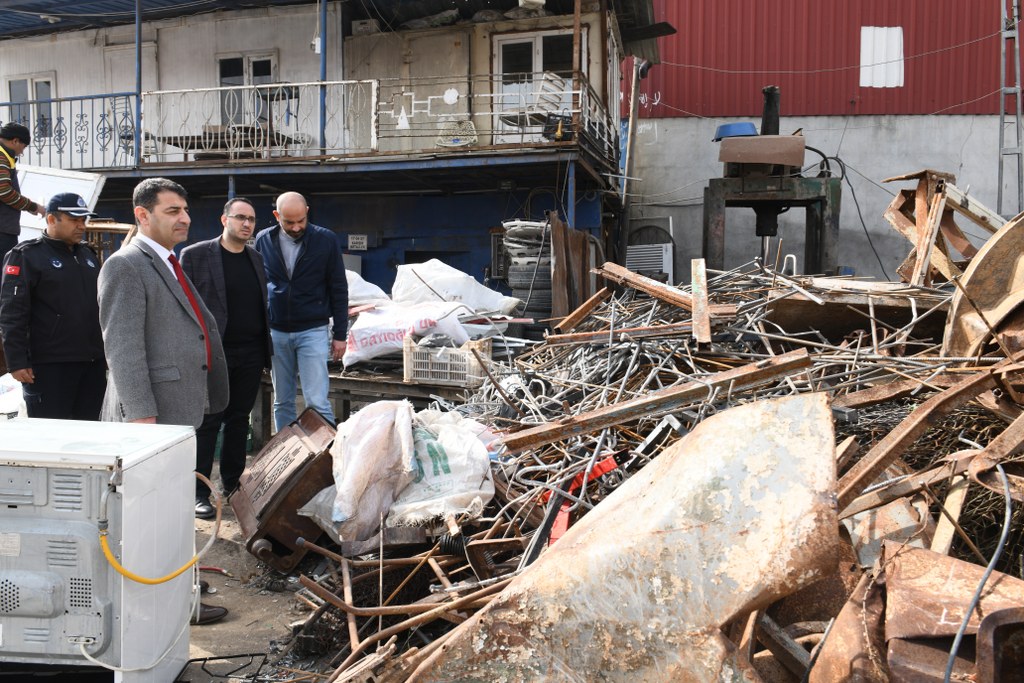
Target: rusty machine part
(771,189)
(989,295)
(293,467)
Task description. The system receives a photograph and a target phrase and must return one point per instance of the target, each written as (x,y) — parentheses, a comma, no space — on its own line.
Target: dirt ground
(261,603)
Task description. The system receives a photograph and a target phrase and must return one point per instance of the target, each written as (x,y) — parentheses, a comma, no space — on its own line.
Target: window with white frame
(245,105)
(31,105)
(533,78)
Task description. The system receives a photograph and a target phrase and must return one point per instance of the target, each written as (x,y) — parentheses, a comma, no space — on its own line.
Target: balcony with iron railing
(325,121)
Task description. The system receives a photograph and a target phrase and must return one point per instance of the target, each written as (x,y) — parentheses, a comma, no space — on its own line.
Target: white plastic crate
(445,365)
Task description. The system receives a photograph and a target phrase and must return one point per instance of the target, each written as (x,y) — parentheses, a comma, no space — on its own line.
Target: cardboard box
(784,150)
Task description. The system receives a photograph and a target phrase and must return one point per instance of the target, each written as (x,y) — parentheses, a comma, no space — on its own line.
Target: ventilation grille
(649,257)
(67,491)
(61,553)
(81,593)
(36,635)
(10,597)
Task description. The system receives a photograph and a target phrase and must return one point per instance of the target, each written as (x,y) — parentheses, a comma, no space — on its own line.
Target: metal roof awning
(457,174)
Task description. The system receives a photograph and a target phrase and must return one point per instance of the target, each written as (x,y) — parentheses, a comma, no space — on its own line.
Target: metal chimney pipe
(770,114)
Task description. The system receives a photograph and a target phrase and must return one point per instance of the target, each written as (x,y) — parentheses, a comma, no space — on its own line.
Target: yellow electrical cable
(135,577)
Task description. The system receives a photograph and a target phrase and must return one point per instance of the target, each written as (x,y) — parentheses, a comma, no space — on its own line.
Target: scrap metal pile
(754,476)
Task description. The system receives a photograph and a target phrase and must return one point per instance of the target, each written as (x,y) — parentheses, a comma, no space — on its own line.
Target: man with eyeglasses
(229,276)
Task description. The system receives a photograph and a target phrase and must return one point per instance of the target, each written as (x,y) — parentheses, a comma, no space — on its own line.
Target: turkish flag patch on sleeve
(12,270)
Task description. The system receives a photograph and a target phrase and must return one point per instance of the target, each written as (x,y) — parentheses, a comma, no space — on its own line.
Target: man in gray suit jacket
(229,277)
(162,344)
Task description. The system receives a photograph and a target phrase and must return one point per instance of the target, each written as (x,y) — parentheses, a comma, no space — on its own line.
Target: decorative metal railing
(259,122)
(334,119)
(96,131)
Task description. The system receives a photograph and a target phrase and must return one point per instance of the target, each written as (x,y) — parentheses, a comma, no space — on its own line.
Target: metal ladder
(1010,34)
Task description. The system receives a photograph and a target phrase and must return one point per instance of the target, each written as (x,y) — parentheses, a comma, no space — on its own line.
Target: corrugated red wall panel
(725,51)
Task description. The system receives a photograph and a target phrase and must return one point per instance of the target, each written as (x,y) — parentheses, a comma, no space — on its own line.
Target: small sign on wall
(357,242)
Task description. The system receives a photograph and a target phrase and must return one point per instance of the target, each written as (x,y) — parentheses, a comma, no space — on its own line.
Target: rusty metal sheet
(855,647)
(990,289)
(928,593)
(907,520)
(290,470)
(732,517)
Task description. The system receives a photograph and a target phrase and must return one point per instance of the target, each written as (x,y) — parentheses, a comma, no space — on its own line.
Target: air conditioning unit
(365,27)
(58,592)
(650,258)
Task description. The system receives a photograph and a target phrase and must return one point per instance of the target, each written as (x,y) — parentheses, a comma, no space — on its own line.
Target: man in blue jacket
(306,286)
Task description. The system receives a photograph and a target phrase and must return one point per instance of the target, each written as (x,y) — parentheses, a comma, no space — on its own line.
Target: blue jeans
(303,356)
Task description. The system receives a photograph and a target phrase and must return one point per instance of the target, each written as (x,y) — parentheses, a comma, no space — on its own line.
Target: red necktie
(180,274)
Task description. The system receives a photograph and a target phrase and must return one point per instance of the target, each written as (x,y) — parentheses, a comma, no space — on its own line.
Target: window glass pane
(231,71)
(516,62)
(231,101)
(19,93)
(44,109)
(262,71)
(557,54)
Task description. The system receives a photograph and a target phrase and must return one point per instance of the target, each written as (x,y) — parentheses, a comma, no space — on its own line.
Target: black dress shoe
(203,508)
(208,614)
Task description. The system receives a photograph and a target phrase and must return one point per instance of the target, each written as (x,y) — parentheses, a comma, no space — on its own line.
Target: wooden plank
(942,539)
(845,451)
(561,269)
(612,336)
(659,290)
(904,226)
(893,444)
(926,241)
(974,210)
(576,317)
(701,315)
(736,379)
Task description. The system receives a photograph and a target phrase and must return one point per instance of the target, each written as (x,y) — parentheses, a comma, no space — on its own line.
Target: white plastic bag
(381,331)
(11,402)
(434,280)
(373,461)
(361,292)
(453,470)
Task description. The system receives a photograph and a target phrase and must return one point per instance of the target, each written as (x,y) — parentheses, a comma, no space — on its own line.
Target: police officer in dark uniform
(49,316)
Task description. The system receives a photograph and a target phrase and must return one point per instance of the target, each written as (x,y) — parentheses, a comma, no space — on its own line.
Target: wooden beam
(659,290)
(974,210)
(926,236)
(701,315)
(942,539)
(736,379)
(611,336)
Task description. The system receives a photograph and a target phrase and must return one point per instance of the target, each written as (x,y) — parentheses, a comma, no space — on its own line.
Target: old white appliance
(57,589)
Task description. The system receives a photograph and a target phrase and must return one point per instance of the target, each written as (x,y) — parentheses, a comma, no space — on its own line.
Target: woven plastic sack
(452,470)
(373,462)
